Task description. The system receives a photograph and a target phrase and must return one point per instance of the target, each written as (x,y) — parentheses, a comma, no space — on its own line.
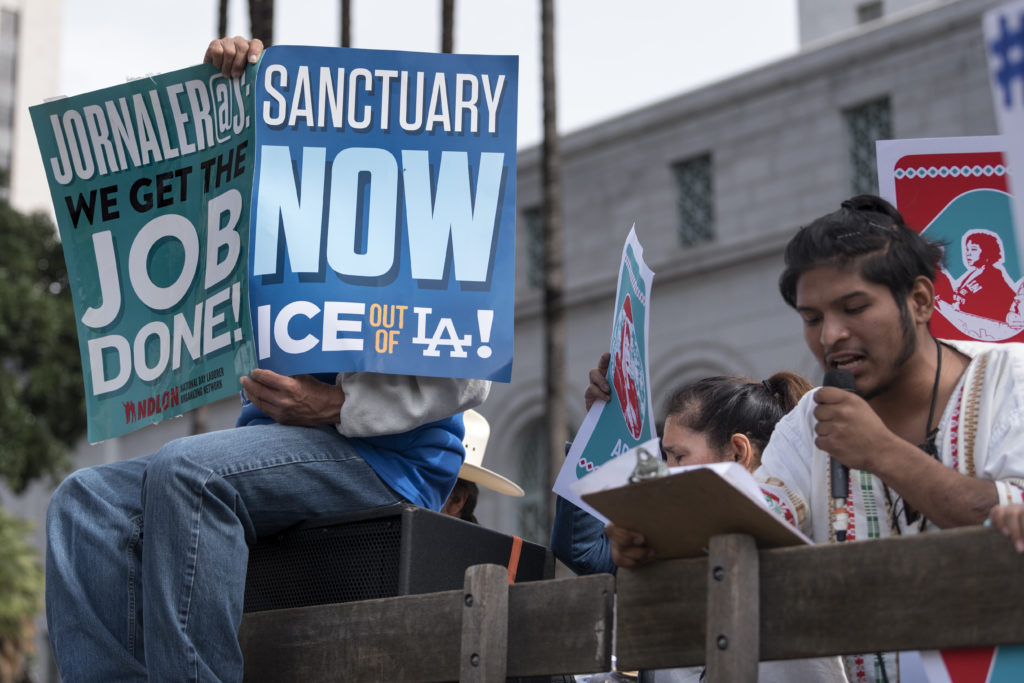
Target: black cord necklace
(928,447)
(930,432)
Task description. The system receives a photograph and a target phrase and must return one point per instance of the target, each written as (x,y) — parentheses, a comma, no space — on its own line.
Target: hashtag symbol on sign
(1008,51)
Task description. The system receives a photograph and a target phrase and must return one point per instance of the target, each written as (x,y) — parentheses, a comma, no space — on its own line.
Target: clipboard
(679,513)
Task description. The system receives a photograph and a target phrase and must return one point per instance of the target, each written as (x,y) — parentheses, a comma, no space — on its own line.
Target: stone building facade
(716,181)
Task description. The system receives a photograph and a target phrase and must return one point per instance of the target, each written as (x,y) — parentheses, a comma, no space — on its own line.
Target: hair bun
(873,204)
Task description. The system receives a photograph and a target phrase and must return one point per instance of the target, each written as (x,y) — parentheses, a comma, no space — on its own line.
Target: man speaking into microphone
(932,434)
(927,434)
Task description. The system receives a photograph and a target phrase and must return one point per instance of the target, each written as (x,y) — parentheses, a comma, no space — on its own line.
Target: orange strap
(513,559)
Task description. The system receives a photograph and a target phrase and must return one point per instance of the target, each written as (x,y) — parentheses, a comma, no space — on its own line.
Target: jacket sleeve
(579,541)
(378,404)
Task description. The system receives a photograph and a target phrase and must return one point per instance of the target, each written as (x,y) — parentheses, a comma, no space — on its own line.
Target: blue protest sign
(383,233)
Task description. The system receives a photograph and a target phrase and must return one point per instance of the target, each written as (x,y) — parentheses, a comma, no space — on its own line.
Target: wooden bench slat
(956,588)
(484,625)
(561,626)
(410,638)
(731,643)
(555,626)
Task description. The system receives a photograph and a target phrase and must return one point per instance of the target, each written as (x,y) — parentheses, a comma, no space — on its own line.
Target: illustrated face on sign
(959,198)
(983,301)
(627,374)
(971,254)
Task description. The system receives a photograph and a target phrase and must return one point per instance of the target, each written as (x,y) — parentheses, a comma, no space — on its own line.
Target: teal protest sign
(150,183)
(627,420)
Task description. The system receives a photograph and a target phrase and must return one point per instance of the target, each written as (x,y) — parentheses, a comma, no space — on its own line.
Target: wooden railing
(485,632)
(956,588)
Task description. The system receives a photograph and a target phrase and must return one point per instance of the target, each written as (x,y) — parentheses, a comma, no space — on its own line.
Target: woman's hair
(719,407)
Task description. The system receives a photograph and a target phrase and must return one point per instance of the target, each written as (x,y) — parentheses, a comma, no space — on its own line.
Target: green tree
(42,411)
(21,590)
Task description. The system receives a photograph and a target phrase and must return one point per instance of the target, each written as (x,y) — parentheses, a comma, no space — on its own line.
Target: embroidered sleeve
(783,502)
(992,424)
(785,472)
(1011,491)
(1003,461)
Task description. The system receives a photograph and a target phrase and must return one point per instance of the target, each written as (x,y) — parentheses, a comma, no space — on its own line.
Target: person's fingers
(1009,519)
(593,394)
(272,380)
(631,556)
(602,369)
(230,55)
(995,515)
(832,395)
(255,50)
(598,389)
(212,52)
(239,58)
(598,380)
(629,549)
(622,560)
(624,537)
(219,53)
(268,388)
(253,391)
(1015,522)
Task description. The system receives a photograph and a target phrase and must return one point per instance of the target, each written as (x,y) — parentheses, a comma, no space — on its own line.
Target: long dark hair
(719,407)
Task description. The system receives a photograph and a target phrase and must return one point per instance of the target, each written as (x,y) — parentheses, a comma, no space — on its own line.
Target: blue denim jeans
(146,558)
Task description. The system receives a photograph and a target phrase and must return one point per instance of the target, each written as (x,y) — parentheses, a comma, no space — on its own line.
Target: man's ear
(922,299)
(743,451)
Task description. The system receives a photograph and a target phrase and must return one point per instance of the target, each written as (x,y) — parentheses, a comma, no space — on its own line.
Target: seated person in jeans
(146,558)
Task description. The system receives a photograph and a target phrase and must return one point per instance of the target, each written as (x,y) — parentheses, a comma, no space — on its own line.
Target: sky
(610,59)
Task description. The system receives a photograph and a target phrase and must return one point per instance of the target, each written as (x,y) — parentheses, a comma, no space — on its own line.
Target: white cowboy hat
(477,433)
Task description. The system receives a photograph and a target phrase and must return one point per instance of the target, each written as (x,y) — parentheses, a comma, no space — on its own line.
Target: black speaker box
(397,550)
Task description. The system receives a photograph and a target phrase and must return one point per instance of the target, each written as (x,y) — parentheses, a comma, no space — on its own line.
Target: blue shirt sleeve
(579,541)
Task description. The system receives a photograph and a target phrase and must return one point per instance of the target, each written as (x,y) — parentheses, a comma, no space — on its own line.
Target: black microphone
(840,473)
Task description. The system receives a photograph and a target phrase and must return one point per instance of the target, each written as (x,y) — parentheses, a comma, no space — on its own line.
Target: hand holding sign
(230,55)
(302,400)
